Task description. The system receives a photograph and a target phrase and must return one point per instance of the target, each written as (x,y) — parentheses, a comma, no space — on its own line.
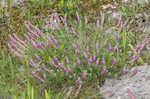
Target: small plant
(72,55)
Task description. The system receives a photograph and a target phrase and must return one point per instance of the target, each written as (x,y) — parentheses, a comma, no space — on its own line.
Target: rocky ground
(129,86)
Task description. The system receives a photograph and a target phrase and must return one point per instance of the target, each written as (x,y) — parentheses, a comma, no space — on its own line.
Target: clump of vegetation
(66,54)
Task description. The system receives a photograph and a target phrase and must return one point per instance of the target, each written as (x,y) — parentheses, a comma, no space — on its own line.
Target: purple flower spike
(35,45)
(137,48)
(88,49)
(44,68)
(69,70)
(121,27)
(39,58)
(39,71)
(40,33)
(78,52)
(75,46)
(97,62)
(37,77)
(90,62)
(70,77)
(110,48)
(104,70)
(84,75)
(130,93)
(44,76)
(57,16)
(115,49)
(32,62)
(97,51)
(114,61)
(134,72)
(94,57)
(119,21)
(111,94)
(67,61)
(77,15)
(56,60)
(118,38)
(86,57)
(65,20)
(56,42)
(78,61)
(134,58)
(124,72)
(69,92)
(47,45)
(22,58)
(105,43)
(78,81)
(97,46)
(104,62)
(85,19)
(53,63)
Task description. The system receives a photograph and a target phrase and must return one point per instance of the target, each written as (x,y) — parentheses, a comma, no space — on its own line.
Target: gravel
(138,85)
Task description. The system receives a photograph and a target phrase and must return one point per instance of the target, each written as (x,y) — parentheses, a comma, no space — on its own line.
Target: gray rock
(139,84)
